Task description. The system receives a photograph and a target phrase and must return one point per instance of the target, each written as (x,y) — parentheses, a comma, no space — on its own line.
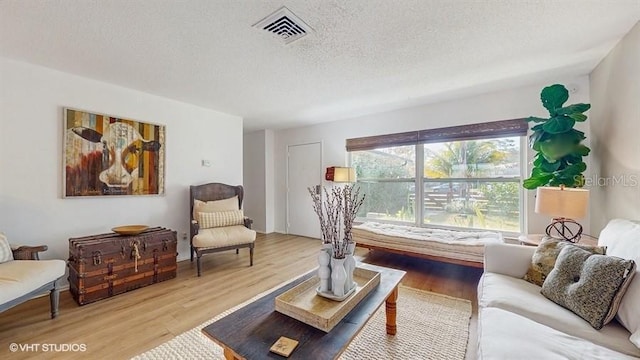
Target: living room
(38,81)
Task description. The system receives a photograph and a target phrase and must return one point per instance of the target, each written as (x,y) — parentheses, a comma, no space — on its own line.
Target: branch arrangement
(352,203)
(339,204)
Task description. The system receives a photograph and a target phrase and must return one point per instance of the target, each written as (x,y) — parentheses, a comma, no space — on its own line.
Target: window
(387,177)
(463,180)
(473,183)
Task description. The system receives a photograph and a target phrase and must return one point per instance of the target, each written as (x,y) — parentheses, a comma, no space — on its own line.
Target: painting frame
(107,155)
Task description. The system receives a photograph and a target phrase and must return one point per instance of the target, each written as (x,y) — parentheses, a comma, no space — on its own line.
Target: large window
(462,183)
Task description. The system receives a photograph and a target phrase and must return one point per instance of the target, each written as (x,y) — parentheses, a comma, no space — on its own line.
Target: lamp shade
(561,202)
(344,174)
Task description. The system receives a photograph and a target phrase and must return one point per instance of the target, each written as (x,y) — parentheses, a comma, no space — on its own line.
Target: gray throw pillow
(588,284)
(544,258)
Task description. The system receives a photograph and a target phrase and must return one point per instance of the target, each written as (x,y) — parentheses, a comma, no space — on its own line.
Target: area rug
(430,326)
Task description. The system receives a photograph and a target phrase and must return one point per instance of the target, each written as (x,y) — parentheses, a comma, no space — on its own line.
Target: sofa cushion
(19,277)
(215,205)
(224,236)
(590,285)
(5,249)
(505,335)
(523,298)
(622,239)
(544,258)
(208,220)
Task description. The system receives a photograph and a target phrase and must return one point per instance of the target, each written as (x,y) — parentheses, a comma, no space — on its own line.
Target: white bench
(452,246)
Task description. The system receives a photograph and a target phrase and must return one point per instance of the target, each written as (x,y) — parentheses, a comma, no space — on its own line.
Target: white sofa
(515,321)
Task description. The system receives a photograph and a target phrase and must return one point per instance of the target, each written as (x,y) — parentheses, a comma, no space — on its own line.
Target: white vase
(338,277)
(349,267)
(324,270)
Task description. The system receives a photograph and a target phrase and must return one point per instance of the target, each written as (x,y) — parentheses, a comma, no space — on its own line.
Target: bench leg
(251,255)
(54,299)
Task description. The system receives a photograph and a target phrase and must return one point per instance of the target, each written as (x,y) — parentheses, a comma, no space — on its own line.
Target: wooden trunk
(101,266)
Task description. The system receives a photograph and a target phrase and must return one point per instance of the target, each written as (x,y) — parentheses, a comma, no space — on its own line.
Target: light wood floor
(131,323)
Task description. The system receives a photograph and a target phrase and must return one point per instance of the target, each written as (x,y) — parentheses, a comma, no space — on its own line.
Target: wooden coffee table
(249,332)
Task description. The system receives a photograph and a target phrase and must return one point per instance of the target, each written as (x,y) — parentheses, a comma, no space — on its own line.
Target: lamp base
(565,229)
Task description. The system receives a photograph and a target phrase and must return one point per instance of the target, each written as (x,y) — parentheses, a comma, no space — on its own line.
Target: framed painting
(106,155)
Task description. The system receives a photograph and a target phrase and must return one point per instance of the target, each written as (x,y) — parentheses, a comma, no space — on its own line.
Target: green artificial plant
(559,158)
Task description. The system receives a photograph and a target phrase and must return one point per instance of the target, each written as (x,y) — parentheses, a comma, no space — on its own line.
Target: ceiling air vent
(285,25)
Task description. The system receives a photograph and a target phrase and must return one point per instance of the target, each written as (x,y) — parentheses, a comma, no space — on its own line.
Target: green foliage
(559,158)
(502,196)
(375,166)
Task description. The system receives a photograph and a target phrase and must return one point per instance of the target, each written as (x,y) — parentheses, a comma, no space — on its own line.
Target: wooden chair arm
(25,252)
(247,222)
(195,227)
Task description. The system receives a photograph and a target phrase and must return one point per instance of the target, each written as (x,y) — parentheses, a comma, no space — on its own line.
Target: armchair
(217,222)
(25,276)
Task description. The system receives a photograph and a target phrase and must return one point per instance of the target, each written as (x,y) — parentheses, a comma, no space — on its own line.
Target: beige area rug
(430,326)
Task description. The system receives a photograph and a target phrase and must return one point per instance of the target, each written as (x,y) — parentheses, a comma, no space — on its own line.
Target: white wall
(269,181)
(615,125)
(258,179)
(503,105)
(254,179)
(32,210)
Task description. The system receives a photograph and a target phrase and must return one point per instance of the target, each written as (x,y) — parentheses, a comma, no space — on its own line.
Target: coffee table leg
(390,309)
(229,355)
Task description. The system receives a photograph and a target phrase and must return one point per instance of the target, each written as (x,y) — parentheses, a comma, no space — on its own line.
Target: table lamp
(564,205)
(341,174)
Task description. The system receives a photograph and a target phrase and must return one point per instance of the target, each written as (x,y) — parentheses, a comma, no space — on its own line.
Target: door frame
(286,180)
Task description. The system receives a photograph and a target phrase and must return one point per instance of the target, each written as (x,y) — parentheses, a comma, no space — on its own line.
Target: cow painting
(105,155)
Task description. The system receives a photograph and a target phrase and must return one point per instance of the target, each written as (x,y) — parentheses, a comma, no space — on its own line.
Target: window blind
(502,128)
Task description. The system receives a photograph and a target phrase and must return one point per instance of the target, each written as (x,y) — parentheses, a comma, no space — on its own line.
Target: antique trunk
(101,266)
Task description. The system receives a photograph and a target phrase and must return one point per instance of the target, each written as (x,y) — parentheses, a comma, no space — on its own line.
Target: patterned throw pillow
(544,258)
(220,218)
(5,249)
(215,205)
(590,285)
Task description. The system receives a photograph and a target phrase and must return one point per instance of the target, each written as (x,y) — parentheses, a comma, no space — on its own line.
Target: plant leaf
(537,179)
(550,166)
(554,96)
(537,127)
(575,108)
(536,119)
(572,158)
(538,159)
(556,149)
(578,117)
(559,124)
(581,150)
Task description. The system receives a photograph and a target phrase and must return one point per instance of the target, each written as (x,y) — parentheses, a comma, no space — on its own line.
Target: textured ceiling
(364,56)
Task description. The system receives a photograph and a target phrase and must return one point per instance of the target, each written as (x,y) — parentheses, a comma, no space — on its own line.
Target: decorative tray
(304,304)
(129,229)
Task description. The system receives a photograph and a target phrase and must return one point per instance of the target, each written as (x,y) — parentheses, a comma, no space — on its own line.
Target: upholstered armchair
(217,221)
(24,276)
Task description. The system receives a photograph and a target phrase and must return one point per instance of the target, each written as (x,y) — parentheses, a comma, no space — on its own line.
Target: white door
(304,170)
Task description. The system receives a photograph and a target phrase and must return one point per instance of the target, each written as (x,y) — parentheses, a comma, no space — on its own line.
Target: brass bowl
(130,229)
